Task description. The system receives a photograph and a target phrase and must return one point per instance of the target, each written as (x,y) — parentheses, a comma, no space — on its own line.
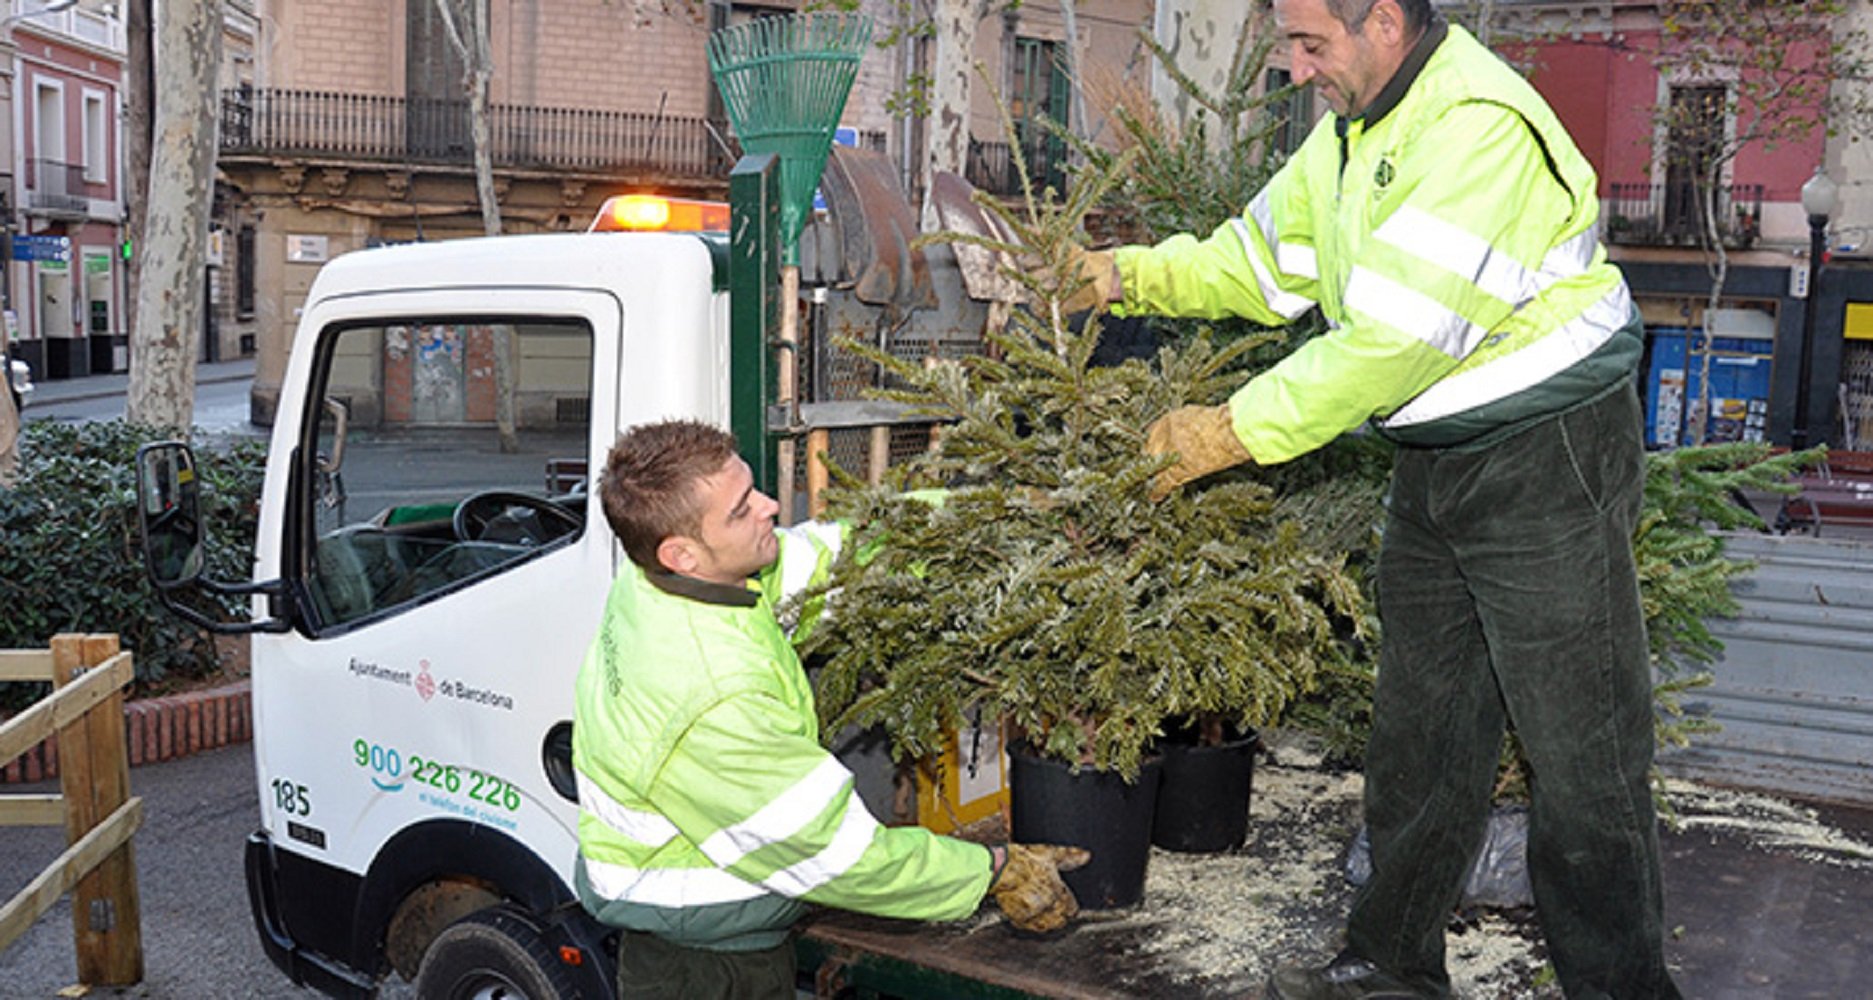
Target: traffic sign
(47,248)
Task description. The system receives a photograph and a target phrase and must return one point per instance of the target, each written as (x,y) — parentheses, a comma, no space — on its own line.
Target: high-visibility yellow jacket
(1447,234)
(709,813)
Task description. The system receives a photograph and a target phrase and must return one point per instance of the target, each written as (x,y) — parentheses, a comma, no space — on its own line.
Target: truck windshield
(446,451)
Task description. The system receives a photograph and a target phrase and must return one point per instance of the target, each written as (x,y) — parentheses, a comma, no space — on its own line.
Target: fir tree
(1042,586)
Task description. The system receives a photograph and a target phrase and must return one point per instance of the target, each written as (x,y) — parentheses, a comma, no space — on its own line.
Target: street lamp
(1820,198)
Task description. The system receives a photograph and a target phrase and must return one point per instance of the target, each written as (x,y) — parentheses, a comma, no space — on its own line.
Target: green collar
(702,590)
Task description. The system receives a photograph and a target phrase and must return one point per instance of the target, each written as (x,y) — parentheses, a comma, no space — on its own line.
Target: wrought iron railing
(1673,215)
(991,166)
(374,127)
(52,185)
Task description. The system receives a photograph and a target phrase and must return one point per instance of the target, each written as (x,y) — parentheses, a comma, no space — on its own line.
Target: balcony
(394,129)
(57,190)
(1669,215)
(991,166)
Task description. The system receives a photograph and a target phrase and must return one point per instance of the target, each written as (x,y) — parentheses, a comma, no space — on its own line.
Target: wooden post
(789,392)
(818,443)
(880,454)
(94,776)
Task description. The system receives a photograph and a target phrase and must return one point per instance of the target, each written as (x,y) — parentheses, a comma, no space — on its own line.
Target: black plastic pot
(1203,796)
(1096,810)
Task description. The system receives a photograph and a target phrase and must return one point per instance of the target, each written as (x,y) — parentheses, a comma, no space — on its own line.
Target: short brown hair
(1353,13)
(648,488)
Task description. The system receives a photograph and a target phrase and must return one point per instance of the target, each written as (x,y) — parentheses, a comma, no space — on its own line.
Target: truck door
(449,561)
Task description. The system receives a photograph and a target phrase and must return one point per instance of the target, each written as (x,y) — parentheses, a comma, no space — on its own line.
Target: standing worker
(1444,223)
(709,814)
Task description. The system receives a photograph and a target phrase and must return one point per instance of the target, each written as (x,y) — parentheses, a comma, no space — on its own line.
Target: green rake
(785,81)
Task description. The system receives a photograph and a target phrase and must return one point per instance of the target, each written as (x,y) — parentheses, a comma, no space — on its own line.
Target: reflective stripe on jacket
(709,813)
(1448,236)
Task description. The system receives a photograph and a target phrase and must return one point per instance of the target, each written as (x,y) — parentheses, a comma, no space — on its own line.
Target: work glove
(1088,278)
(1204,440)
(1029,890)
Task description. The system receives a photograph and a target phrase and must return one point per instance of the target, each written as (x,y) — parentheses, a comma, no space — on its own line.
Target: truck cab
(434,563)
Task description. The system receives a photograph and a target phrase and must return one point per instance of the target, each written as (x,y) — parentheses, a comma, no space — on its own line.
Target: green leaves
(70,552)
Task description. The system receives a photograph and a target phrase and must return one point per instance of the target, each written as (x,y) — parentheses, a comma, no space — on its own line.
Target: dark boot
(1347,977)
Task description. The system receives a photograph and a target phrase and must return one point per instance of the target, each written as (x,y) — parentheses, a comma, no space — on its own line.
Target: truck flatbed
(1764,898)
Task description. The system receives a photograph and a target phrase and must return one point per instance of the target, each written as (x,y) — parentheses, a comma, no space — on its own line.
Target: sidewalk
(51,392)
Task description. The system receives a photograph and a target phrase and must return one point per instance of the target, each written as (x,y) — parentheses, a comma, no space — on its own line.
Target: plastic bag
(1498,878)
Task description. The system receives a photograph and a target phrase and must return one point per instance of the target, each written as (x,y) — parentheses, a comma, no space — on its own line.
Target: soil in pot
(1097,810)
(1203,794)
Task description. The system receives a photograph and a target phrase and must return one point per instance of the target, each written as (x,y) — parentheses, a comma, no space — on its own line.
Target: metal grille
(1857,390)
(573,411)
(850,449)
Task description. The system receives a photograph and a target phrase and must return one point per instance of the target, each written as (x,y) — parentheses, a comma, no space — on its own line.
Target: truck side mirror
(170,508)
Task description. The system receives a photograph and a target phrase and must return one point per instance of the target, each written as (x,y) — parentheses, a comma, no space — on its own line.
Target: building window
(244,273)
(1293,113)
(96,157)
(1694,140)
(436,122)
(49,122)
(1041,92)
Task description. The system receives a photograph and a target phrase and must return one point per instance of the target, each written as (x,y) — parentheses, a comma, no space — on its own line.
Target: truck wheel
(494,954)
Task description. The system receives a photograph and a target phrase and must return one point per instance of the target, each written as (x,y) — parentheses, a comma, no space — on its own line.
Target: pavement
(52,392)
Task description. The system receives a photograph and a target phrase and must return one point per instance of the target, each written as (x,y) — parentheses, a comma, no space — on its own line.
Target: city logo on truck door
(427,686)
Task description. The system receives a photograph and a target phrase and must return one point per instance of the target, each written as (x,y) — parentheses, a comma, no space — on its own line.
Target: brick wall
(603,56)
(352,46)
(554,53)
(160,729)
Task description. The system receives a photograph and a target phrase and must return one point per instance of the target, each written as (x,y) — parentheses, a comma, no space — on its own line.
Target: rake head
(785,81)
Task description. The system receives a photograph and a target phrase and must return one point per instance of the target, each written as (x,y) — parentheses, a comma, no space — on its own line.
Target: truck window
(446,452)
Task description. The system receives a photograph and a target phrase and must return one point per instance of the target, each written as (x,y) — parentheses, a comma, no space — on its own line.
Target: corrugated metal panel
(1794,686)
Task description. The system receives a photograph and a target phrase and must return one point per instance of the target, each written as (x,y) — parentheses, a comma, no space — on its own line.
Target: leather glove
(1204,440)
(1088,278)
(1029,890)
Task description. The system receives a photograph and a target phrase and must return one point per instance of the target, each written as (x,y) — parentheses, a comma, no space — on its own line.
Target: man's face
(1349,68)
(737,528)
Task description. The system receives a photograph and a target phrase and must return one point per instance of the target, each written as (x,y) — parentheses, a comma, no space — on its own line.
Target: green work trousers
(1508,595)
(650,968)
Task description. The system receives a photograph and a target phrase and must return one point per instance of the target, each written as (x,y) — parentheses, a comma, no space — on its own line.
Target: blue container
(1739,386)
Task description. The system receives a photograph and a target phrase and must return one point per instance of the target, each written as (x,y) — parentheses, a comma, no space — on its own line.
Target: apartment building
(1650,132)
(61,198)
(349,127)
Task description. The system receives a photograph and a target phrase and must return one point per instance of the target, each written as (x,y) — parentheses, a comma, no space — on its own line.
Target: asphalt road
(221,407)
(198,937)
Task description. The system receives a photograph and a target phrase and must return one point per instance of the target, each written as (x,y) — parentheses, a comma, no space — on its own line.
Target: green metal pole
(753,300)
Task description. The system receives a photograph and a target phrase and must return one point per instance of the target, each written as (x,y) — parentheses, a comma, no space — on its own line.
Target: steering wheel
(490,516)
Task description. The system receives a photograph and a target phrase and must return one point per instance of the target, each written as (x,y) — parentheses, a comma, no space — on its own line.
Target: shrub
(71,556)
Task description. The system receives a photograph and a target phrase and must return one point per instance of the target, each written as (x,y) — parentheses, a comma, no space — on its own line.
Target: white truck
(430,566)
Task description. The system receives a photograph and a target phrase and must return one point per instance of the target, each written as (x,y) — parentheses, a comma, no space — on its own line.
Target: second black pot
(1097,810)
(1203,796)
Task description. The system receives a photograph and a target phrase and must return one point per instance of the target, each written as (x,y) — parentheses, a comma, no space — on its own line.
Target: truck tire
(493,954)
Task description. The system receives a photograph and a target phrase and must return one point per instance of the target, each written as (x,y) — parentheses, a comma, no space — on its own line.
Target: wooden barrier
(86,710)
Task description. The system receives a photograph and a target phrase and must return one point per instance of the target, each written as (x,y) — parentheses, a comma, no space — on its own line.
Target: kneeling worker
(709,814)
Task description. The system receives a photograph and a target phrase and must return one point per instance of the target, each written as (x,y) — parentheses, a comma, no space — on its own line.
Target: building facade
(349,128)
(1650,122)
(63,203)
